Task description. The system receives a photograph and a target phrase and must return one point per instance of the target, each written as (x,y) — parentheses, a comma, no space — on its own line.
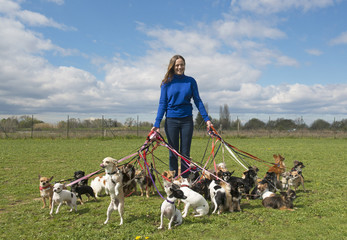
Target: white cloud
(225,57)
(341,39)
(275,6)
(37,19)
(59,2)
(246,28)
(314,52)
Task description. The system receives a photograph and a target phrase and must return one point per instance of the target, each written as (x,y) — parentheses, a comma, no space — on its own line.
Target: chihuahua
(168,208)
(46,190)
(60,195)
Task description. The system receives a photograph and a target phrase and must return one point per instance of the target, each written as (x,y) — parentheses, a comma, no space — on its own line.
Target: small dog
(298,166)
(145,181)
(271,179)
(60,195)
(115,187)
(263,191)
(285,180)
(79,174)
(194,200)
(279,167)
(282,202)
(218,196)
(129,183)
(46,190)
(168,208)
(168,176)
(234,189)
(83,189)
(295,179)
(99,186)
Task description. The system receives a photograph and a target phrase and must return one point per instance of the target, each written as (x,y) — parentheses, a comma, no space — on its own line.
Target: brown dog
(129,183)
(168,176)
(279,167)
(145,181)
(282,202)
(295,179)
(46,190)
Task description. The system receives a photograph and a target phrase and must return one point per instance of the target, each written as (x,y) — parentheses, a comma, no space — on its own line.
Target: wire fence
(105,128)
(129,133)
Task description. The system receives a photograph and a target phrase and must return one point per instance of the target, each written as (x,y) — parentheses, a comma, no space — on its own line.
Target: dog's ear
(51,178)
(39,176)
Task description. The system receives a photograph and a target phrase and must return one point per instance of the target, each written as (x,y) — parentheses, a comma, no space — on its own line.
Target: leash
(85,177)
(150,175)
(158,137)
(213,133)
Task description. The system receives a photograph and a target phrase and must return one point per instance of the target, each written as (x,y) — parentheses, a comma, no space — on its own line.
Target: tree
(224,117)
(129,122)
(320,124)
(27,121)
(339,125)
(254,124)
(9,125)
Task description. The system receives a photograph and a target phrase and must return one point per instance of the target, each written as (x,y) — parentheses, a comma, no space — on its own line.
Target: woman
(177,90)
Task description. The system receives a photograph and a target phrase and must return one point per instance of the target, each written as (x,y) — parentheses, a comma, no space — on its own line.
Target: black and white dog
(194,200)
(83,189)
(168,208)
(61,195)
(218,196)
(79,174)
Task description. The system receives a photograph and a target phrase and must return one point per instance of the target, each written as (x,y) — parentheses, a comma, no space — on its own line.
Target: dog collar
(45,188)
(112,173)
(170,201)
(185,186)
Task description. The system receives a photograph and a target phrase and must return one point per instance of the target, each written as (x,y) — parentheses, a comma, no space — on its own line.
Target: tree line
(12,124)
(281,124)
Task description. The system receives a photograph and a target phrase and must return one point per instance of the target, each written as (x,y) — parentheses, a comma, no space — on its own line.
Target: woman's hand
(209,125)
(155,129)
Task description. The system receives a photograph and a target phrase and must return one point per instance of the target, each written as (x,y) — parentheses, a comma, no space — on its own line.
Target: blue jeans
(179,133)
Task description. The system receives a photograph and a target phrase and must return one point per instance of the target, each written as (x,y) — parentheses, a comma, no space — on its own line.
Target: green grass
(320,213)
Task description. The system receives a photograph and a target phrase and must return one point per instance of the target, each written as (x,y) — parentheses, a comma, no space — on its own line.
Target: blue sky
(87,58)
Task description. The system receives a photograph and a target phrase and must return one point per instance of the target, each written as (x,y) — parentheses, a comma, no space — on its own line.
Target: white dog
(168,208)
(194,200)
(99,185)
(115,187)
(218,197)
(61,195)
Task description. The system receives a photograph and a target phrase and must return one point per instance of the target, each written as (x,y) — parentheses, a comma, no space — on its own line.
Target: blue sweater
(175,98)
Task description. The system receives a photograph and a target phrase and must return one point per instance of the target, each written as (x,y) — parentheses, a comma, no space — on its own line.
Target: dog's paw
(161,227)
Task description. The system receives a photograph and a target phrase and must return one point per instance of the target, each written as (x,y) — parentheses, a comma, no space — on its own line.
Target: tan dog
(145,181)
(46,190)
(279,167)
(295,179)
(168,176)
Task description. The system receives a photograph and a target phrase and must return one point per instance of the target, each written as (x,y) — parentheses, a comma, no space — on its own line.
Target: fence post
(32,126)
(102,127)
(67,126)
(137,126)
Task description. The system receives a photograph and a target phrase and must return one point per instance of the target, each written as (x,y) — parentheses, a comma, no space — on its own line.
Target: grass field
(320,213)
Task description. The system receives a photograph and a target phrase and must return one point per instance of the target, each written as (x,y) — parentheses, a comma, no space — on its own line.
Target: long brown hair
(171,69)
